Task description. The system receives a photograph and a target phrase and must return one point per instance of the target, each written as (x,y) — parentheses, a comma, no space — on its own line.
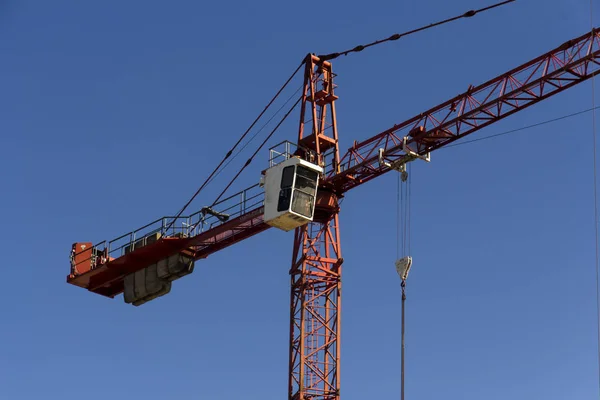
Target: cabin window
(306,180)
(287,177)
(305,189)
(285,193)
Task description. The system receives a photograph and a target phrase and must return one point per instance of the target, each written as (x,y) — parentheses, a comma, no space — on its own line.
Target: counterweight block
(155,281)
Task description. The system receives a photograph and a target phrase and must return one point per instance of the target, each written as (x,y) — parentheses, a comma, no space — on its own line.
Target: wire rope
(256,151)
(595,174)
(256,133)
(216,170)
(398,216)
(523,128)
(397,36)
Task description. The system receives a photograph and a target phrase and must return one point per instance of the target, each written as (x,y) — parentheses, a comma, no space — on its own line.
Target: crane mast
(314,352)
(317,259)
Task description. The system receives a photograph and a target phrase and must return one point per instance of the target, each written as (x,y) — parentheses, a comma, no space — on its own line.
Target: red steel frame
(108,279)
(317,259)
(316,266)
(567,65)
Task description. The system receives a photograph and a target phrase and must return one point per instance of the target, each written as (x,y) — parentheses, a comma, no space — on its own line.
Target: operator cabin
(290,193)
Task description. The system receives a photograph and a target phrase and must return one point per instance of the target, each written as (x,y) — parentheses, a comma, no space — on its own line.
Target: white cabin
(290,193)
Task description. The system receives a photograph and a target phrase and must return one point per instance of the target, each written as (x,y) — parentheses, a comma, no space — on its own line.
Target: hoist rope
(403,215)
(405,222)
(408,206)
(400,248)
(216,170)
(397,36)
(403,286)
(403,249)
(594,134)
(405,227)
(398,216)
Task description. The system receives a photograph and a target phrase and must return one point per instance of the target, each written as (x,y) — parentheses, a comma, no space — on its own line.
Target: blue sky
(114,112)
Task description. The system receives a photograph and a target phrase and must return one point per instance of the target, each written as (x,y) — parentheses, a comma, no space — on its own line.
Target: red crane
(143,263)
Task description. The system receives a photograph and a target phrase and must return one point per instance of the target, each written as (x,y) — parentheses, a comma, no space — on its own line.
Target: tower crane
(301,191)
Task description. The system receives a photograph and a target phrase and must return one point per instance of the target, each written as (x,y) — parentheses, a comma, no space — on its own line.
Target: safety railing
(184,226)
(225,210)
(286,150)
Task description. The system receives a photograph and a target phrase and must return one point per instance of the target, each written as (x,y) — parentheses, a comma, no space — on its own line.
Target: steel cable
(595,174)
(257,150)
(216,170)
(397,36)
(256,134)
(523,128)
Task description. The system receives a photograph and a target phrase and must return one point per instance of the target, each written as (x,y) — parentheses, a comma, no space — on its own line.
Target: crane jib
(567,65)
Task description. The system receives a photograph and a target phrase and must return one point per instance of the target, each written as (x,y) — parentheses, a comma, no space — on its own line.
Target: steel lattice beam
(569,64)
(315,316)
(316,268)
